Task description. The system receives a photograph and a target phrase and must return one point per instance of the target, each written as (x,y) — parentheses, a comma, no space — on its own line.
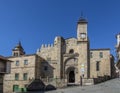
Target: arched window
(16,54)
(71,51)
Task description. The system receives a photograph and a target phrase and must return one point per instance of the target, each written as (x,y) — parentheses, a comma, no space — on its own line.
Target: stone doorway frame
(71,77)
(68,70)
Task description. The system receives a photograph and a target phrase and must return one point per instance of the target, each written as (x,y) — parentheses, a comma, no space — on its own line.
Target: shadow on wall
(46,69)
(38,85)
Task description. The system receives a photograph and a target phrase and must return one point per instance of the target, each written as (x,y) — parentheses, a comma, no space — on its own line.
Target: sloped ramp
(36,85)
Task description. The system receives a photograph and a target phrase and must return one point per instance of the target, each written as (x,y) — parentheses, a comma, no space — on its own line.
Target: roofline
(100,49)
(22,55)
(4,58)
(70,38)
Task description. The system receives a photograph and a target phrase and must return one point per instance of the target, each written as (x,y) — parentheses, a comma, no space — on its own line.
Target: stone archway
(70,73)
(71,77)
(70,70)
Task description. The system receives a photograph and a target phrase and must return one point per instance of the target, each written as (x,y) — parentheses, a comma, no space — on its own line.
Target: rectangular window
(25,75)
(16,76)
(25,62)
(17,63)
(15,88)
(91,55)
(97,66)
(101,54)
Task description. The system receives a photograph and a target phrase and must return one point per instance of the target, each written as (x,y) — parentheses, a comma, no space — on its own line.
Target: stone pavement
(111,86)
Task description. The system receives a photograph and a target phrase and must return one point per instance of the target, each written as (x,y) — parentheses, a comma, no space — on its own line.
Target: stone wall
(56,82)
(86,81)
(52,56)
(104,63)
(9,79)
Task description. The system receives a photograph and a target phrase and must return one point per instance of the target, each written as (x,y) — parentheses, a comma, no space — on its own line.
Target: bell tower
(18,50)
(83,48)
(82,29)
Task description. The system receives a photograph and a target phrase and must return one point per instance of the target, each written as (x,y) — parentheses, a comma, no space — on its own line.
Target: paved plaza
(112,86)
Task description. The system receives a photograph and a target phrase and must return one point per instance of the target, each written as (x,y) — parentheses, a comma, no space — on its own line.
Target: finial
(51,45)
(38,50)
(48,45)
(45,45)
(82,19)
(81,14)
(42,46)
(19,43)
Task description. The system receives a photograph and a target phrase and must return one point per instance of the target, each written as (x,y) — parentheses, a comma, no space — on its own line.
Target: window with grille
(17,63)
(25,62)
(16,76)
(25,75)
(101,54)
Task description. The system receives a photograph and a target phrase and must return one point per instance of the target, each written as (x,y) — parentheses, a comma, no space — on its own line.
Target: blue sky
(36,22)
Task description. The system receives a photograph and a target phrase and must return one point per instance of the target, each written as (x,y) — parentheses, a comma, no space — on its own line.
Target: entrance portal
(71,77)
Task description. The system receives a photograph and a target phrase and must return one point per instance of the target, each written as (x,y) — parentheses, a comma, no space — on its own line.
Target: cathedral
(70,59)
(73,59)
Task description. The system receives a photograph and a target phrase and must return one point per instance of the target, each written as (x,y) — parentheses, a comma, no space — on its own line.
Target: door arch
(71,76)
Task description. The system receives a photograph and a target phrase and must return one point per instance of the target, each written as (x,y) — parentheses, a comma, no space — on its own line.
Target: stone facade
(67,60)
(21,65)
(102,58)
(24,69)
(72,58)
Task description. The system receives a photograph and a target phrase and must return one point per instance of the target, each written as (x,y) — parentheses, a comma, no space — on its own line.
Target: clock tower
(82,29)
(83,48)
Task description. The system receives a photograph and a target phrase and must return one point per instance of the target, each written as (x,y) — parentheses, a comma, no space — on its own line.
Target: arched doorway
(70,74)
(71,77)
(70,69)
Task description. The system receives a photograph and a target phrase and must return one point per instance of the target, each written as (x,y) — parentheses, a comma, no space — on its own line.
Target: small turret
(38,50)
(42,46)
(18,50)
